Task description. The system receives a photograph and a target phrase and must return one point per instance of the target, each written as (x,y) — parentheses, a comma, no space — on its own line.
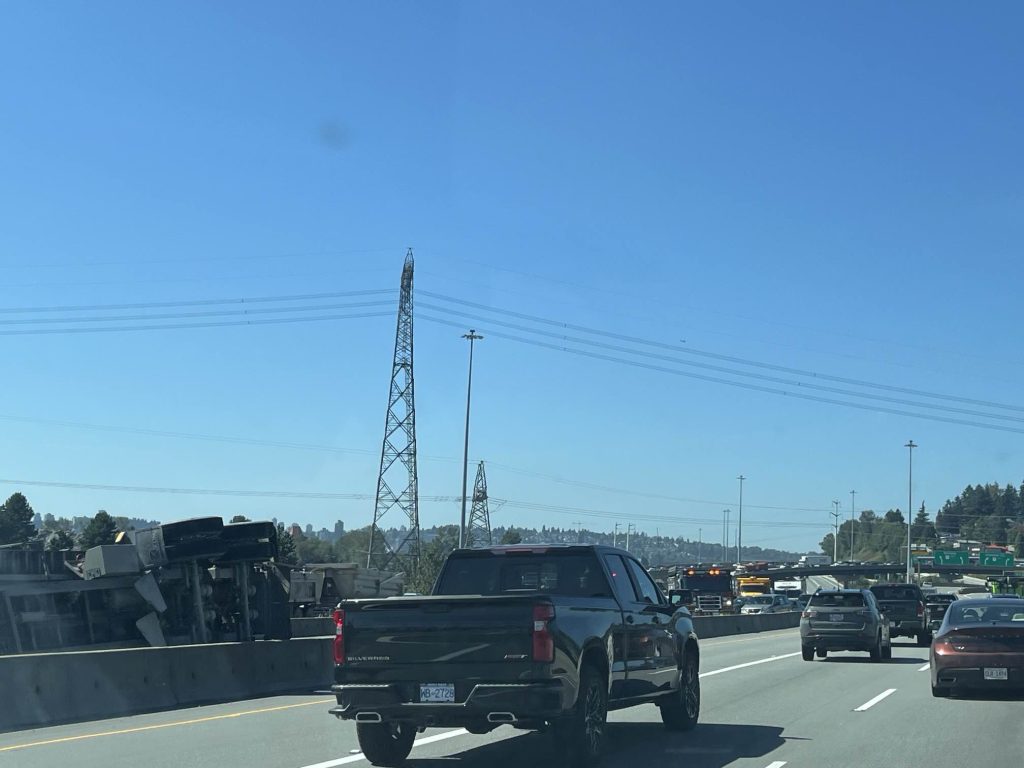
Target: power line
(741,385)
(178,326)
(732,371)
(199,302)
(186,315)
(717,356)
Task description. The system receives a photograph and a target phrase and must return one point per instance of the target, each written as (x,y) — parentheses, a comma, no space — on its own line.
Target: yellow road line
(157,726)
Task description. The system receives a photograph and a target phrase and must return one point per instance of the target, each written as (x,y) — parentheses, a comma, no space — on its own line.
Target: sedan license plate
(836,617)
(996,673)
(437,693)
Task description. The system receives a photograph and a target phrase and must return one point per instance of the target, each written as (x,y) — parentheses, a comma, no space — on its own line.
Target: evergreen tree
(100,530)
(16,516)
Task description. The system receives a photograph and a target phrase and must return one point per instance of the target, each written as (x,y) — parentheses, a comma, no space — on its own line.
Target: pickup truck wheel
(940,691)
(821,653)
(680,711)
(924,639)
(386,744)
(876,652)
(807,651)
(580,735)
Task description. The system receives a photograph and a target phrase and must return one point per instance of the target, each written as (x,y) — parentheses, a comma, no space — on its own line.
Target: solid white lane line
(869,704)
(360,757)
(925,668)
(777,764)
(749,664)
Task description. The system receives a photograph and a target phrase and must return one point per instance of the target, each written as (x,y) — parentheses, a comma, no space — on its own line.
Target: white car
(766,604)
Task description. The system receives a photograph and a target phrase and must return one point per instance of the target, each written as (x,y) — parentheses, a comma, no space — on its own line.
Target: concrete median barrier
(312,627)
(43,689)
(721,626)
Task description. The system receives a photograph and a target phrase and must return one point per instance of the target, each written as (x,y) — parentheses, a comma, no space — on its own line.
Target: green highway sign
(950,557)
(1002,559)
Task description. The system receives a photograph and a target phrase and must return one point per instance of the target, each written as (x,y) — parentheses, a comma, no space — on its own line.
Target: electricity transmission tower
(397,482)
(478,533)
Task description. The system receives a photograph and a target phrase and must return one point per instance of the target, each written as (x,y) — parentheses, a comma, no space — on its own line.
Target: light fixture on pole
(910,446)
(472,336)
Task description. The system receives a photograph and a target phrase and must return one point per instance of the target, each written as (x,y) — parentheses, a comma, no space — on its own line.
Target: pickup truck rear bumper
(906,627)
(486,705)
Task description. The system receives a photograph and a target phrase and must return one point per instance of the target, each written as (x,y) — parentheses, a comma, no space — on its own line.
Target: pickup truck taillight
(543,642)
(808,614)
(920,609)
(339,636)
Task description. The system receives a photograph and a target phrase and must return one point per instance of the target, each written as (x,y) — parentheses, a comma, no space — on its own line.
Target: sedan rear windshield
(897,593)
(841,600)
(985,613)
(550,573)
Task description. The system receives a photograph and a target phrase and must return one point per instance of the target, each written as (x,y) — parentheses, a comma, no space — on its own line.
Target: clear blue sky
(828,187)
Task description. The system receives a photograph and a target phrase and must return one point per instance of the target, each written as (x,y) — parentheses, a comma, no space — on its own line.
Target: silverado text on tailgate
(533,637)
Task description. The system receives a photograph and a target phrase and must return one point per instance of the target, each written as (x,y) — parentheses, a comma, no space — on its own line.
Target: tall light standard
(835,538)
(615,535)
(725,535)
(739,532)
(700,542)
(910,446)
(853,499)
(472,336)
(629,528)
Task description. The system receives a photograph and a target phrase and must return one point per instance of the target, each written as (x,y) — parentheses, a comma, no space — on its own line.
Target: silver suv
(844,620)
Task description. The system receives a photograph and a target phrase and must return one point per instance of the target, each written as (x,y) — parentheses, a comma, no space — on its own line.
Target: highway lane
(762,706)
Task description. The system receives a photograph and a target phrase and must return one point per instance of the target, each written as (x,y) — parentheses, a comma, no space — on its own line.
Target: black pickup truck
(537,637)
(903,605)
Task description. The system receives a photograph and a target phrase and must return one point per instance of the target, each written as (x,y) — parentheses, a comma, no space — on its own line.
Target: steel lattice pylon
(479,527)
(398,452)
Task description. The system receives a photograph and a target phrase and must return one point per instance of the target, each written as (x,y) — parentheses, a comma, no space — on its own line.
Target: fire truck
(704,590)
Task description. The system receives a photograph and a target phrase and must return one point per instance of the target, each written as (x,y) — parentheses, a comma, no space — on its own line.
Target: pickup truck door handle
(629,618)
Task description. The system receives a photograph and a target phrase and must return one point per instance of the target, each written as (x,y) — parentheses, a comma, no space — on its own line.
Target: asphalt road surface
(763,707)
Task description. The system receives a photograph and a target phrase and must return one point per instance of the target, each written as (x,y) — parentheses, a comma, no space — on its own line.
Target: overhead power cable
(729,382)
(177,326)
(717,356)
(199,302)
(729,371)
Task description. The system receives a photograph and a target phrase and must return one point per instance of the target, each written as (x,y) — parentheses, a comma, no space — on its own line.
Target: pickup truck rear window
(897,593)
(549,573)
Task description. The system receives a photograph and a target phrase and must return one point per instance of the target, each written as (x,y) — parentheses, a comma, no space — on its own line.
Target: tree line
(18,525)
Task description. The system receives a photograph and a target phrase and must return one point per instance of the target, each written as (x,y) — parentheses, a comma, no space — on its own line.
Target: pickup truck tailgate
(434,631)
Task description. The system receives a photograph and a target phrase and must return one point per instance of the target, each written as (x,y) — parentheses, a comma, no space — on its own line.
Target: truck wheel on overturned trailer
(680,710)
(386,744)
(580,735)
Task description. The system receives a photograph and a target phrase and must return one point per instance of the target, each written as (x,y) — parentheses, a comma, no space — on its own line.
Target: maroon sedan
(980,645)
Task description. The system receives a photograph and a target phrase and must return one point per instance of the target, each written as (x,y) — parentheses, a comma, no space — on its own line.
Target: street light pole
(629,527)
(853,499)
(725,535)
(615,536)
(472,336)
(835,539)
(910,446)
(739,533)
(700,541)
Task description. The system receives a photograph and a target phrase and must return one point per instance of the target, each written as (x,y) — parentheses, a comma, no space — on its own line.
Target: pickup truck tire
(580,735)
(822,653)
(681,710)
(887,650)
(940,691)
(807,651)
(386,744)
(924,639)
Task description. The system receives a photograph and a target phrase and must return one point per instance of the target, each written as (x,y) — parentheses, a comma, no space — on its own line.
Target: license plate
(836,617)
(438,693)
(996,673)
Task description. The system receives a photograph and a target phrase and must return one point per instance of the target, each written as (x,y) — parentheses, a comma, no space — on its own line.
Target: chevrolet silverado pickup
(536,637)
(903,605)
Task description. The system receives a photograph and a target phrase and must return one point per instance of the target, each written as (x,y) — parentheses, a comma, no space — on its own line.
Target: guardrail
(44,689)
(49,688)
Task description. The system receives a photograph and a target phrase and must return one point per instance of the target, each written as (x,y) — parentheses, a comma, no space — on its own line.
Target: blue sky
(836,189)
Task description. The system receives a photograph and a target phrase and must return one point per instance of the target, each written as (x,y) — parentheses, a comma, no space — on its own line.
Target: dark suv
(844,620)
